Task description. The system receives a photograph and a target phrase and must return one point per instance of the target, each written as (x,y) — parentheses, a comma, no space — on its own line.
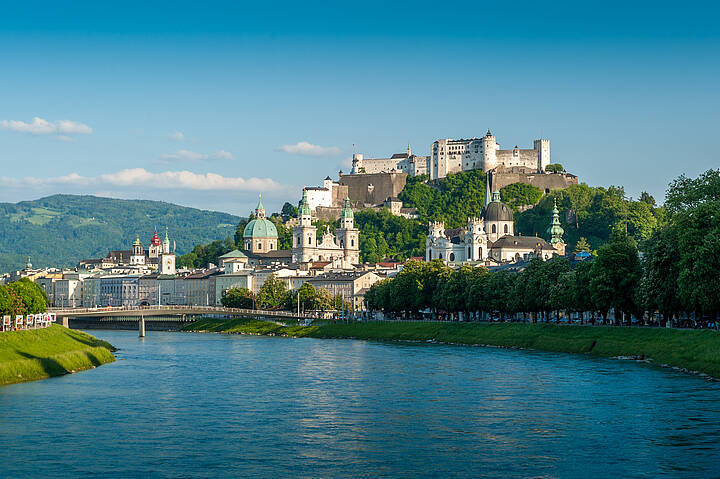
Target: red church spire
(155,239)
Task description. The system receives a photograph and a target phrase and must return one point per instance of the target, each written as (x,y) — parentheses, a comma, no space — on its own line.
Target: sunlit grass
(53,351)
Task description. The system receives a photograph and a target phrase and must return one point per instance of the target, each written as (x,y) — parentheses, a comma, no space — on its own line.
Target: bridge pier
(141,326)
(66,322)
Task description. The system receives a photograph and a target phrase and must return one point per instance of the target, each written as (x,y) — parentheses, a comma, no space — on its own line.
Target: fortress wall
(545,182)
(373,189)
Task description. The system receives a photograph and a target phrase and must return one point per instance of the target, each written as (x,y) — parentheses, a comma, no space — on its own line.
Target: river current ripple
(206,405)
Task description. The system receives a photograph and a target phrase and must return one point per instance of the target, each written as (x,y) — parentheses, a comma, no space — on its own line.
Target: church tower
(138,254)
(347,234)
(304,234)
(556,231)
(166,259)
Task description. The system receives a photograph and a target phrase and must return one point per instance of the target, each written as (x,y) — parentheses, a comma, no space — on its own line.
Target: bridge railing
(177,309)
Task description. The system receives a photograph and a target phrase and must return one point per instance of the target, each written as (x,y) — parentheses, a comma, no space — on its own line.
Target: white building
(343,251)
(490,238)
(321,195)
(408,163)
(452,156)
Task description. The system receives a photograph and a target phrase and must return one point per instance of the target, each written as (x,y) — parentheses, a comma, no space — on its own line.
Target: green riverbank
(53,351)
(694,350)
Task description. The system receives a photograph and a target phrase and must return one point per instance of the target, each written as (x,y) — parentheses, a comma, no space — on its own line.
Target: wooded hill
(60,230)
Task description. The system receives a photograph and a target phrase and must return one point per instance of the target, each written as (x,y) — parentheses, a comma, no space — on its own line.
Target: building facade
(342,250)
(490,238)
(408,163)
(452,156)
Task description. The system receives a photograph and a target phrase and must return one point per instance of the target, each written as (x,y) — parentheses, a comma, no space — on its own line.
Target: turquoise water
(204,405)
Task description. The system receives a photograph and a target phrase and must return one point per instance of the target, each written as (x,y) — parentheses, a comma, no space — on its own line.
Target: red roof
(155,239)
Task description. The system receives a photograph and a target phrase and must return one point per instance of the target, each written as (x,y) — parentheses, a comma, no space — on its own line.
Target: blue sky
(206,105)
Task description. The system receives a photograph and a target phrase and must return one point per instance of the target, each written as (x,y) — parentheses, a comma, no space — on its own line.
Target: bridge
(159,317)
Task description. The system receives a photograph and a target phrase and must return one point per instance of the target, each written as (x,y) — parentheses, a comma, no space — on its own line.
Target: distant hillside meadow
(60,230)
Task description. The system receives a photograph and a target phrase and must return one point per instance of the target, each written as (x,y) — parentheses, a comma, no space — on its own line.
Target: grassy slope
(695,350)
(42,353)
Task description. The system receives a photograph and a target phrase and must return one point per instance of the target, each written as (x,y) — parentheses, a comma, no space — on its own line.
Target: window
(440,255)
(352,242)
(480,252)
(452,256)
(469,252)
(494,229)
(259,246)
(309,239)
(505,229)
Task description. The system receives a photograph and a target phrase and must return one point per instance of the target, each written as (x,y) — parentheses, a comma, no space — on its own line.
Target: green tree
(32,295)
(516,195)
(238,298)
(273,293)
(582,246)
(288,211)
(554,168)
(615,276)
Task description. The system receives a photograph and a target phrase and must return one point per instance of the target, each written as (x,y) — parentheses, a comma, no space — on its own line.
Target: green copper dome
(260,228)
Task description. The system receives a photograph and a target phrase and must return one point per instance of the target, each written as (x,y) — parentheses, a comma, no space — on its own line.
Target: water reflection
(201,405)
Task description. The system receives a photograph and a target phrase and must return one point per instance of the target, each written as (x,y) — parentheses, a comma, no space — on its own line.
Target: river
(208,405)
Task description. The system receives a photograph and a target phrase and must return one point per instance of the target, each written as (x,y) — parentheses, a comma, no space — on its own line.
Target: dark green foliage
(452,199)
(520,194)
(593,213)
(238,298)
(288,211)
(60,230)
(554,168)
(383,235)
(273,293)
(203,255)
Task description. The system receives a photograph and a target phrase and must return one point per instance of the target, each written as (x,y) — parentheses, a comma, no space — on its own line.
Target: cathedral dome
(260,228)
(496,210)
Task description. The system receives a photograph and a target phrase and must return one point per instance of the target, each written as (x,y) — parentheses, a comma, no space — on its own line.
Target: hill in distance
(60,230)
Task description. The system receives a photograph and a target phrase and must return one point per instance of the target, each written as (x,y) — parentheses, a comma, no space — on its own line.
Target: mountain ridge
(61,229)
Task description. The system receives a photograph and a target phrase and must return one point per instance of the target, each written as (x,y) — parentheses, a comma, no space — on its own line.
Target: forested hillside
(60,230)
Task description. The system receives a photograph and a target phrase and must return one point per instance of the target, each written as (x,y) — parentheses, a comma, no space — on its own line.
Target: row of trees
(679,272)
(22,297)
(541,290)
(274,294)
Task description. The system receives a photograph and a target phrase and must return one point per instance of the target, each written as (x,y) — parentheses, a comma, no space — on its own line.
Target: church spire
(260,210)
(555,230)
(488,180)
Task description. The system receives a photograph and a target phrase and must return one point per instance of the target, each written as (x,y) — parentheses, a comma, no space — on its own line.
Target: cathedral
(491,238)
(342,251)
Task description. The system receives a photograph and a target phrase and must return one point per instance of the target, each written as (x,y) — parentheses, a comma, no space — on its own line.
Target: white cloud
(40,126)
(177,136)
(187,155)
(308,149)
(141,178)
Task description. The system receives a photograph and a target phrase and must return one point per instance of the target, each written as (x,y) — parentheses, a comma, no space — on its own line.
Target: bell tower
(304,234)
(347,234)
